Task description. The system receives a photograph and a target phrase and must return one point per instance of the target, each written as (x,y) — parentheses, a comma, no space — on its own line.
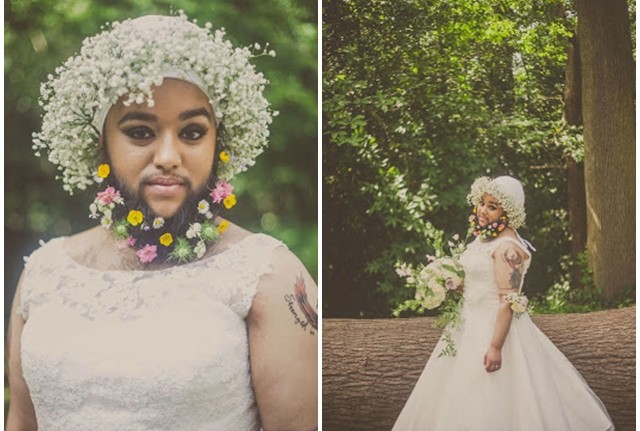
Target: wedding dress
(141,350)
(536,389)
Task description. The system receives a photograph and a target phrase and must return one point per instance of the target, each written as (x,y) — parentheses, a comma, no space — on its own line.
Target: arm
(21,415)
(508,271)
(283,346)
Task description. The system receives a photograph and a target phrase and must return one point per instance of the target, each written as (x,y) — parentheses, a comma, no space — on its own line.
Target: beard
(177,225)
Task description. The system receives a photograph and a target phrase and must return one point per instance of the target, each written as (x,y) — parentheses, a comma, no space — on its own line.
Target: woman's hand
(493,359)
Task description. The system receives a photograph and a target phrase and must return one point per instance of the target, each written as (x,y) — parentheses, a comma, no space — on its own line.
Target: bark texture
(608,114)
(574,170)
(369,367)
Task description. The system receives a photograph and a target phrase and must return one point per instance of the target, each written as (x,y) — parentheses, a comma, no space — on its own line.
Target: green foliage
(562,298)
(418,100)
(278,196)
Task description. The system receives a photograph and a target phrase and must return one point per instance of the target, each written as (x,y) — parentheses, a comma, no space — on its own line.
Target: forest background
(278,196)
(420,98)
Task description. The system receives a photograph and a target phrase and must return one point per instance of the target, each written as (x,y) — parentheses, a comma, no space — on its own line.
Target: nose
(167,155)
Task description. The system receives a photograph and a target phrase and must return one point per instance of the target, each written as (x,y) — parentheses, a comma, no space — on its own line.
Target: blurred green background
(278,196)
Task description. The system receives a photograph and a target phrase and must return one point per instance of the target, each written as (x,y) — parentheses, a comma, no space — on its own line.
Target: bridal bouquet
(438,285)
(433,281)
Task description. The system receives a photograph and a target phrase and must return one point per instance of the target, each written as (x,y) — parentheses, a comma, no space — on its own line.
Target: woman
(506,374)
(166,316)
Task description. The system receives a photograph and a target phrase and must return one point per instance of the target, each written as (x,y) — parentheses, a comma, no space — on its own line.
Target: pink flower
(449,284)
(109,195)
(221,191)
(495,225)
(476,233)
(147,253)
(131,241)
(501,226)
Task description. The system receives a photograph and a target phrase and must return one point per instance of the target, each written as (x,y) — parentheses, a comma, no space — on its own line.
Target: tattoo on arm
(515,261)
(515,279)
(310,316)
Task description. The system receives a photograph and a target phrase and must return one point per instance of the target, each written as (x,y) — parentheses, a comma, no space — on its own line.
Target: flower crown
(511,204)
(124,62)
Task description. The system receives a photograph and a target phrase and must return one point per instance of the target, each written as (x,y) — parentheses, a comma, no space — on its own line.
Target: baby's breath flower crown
(508,191)
(125,61)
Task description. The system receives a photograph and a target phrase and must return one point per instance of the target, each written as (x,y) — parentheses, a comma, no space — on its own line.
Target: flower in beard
(221,191)
(147,253)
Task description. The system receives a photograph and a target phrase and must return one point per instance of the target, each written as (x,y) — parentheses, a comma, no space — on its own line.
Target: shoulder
(287,289)
(509,248)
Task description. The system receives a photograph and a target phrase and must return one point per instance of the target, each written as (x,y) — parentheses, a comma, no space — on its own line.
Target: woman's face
(163,153)
(489,210)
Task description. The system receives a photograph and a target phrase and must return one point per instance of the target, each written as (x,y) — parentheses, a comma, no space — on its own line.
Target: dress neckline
(207,260)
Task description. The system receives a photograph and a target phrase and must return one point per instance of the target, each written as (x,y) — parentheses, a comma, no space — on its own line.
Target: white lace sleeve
(36,265)
(246,263)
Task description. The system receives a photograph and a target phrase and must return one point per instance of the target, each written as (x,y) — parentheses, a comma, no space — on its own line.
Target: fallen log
(370,366)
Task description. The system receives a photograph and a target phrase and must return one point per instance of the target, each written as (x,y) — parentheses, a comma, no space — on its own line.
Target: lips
(165,187)
(165,181)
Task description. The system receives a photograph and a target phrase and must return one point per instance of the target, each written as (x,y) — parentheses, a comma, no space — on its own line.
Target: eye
(193,133)
(139,133)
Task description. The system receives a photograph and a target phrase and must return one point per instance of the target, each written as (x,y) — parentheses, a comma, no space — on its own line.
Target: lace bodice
(479,279)
(141,350)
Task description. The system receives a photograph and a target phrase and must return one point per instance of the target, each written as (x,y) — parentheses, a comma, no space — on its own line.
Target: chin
(166,211)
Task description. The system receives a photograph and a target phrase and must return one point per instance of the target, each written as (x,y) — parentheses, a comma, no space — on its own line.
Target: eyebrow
(490,202)
(194,113)
(137,115)
(146,116)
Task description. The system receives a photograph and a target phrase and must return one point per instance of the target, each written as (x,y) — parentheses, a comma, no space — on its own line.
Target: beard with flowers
(180,238)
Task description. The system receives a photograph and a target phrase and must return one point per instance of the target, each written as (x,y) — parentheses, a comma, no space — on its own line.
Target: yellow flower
(225,156)
(103,171)
(224,225)
(166,239)
(229,201)
(135,217)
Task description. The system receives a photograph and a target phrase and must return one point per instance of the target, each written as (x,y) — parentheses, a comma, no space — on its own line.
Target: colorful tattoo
(300,297)
(512,257)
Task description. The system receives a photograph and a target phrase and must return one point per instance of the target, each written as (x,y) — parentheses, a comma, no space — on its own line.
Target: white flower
(456,237)
(158,222)
(106,222)
(403,270)
(209,215)
(519,303)
(200,249)
(203,207)
(436,297)
(194,230)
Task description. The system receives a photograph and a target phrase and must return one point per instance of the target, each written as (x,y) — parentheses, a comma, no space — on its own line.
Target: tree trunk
(608,113)
(574,170)
(369,367)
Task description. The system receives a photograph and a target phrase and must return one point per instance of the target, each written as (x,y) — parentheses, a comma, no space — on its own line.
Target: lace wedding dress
(536,388)
(141,350)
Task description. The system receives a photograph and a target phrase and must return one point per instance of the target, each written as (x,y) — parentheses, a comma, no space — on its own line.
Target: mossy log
(369,367)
